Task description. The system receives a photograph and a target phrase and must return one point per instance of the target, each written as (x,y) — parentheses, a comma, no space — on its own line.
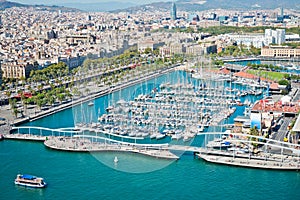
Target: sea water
(95,176)
(81,176)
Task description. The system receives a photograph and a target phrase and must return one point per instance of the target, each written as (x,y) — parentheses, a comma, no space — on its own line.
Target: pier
(29,137)
(252,163)
(85,145)
(273,154)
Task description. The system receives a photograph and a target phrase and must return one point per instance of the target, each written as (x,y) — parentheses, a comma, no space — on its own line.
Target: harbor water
(95,176)
(81,176)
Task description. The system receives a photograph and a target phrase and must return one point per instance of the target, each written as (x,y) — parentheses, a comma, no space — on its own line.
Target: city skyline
(59,2)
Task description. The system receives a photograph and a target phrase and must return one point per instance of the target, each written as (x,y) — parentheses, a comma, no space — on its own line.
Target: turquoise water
(81,176)
(95,176)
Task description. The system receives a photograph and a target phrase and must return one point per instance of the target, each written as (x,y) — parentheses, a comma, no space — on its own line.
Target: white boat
(145,134)
(109,108)
(90,103)
(186,138)
(177,136)
(197,76)
(160,136)
(153,136)
(238,150)
(30,181)
(218,143)
(116,159)
(201,129)
(132,134)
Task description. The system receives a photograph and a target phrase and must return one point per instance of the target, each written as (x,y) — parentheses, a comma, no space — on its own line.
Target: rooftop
(245,75)
(270,106)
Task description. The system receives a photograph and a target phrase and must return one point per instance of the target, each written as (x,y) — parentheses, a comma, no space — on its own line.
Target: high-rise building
(0,73)
(88,18)
(274,36)
(280,36)
(173,12)
(280,18)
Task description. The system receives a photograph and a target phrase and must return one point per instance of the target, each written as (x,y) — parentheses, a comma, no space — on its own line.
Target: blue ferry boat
(30,181)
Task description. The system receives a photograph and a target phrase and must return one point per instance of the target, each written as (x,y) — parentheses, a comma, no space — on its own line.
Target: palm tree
(50,100)
(254,131)
(293,136)
(15,112)
(13,106)
(87,90)
(39,103)
(8,94)
(23,79)
(61,97)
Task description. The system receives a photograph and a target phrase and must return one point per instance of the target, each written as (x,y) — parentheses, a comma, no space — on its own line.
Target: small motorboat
(116,159)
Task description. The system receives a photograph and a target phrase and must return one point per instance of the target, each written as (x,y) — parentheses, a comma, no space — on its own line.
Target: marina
(162,122)
(80,163)
(149,100)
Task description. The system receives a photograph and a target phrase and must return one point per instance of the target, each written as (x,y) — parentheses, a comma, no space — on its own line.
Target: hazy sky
(53,2)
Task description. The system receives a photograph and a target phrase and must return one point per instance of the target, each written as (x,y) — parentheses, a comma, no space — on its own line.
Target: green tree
(148,50)
(284,82)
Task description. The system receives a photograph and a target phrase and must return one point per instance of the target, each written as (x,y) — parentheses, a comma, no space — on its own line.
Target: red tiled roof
(245,75)
(224,71)
(276,107)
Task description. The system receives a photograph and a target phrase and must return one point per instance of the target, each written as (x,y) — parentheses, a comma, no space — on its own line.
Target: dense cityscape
(152,86)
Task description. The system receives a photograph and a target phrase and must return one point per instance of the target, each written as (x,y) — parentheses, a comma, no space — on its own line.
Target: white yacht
(218,143)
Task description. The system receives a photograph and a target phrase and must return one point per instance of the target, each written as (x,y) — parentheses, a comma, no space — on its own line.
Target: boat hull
(30,185)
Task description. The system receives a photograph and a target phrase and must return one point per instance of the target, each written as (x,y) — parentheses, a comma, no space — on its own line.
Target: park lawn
(275,76)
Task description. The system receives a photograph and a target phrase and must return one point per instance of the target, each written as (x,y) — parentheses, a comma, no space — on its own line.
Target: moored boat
(160,136)
(30,181)
(218,143)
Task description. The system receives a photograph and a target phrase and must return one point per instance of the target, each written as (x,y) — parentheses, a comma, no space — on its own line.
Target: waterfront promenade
(85,145)
(265,159)
(165,151)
